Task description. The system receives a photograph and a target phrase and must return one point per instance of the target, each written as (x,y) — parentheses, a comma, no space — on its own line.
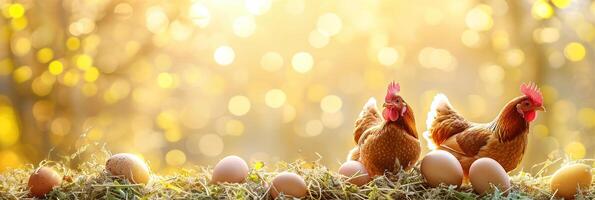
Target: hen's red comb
(531,90)
(393,88)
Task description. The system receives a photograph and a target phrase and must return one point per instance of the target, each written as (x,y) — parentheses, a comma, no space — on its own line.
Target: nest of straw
(89,180)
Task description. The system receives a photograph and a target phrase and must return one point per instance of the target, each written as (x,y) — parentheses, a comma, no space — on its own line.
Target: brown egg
(486,171)
(231,169)
(356,172)
(441,167)
(43,180)
(128,166)
(567,179)
(289,184)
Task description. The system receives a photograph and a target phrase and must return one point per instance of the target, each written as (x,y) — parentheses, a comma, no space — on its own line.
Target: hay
(89,180)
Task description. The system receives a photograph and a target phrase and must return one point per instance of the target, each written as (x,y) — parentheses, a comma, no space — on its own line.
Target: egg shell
(567,179)
(231,169)
(128,166)
(289,184)
(43,180)
(355,171)
(441,167)
(485,171)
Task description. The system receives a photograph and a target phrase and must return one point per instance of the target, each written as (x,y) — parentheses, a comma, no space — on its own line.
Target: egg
(355,171)
(129,166)
(231,169)
(289,184)
(441,167)
(43,180)
(567,179)
(486,171)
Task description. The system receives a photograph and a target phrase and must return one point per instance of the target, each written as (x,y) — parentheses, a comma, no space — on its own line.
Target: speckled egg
(289,184)
(355,172)
(231,169)
(567,179)
(486,171)
(128,166)
(43,180)
(441,167)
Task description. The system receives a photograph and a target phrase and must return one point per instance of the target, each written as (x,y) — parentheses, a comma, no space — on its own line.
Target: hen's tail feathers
(369,106)
(429,140)
(440,103)
(369,117)
(353,154)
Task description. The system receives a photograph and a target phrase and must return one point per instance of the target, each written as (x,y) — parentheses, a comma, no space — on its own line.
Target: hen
(389,142)
(504,139)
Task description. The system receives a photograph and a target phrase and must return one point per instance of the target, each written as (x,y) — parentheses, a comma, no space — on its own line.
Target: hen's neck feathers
(509,124)
(405,122)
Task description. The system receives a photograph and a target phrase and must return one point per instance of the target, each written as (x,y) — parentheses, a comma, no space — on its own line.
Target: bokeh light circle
(388,56)
(331,104)
(239,105)
(211,145)
(275,98)
(224,55)
(302,62)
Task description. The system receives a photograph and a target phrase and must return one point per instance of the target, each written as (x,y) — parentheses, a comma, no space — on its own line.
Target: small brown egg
(231,169)
(355,171)
(567,179)
(289,184)
(486,171)
(43,180)
(441,167)
(128,166)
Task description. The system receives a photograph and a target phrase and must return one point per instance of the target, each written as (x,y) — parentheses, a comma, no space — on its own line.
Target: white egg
(486,171)
(441,167)
(128,166)
(231,169)
(289,184)
(355,172)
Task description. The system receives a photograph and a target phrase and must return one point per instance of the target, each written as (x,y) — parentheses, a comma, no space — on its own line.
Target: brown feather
(472,139)
(447,123)
(408,122)
(509,124)
(368,118)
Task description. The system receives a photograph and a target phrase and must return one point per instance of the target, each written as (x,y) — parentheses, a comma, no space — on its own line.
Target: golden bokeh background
(187,82)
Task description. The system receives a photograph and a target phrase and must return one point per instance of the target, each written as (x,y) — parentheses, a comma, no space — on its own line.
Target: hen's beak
(540,108)
(385,105)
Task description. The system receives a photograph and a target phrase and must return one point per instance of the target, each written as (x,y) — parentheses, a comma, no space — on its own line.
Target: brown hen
(386,143)
(504,139)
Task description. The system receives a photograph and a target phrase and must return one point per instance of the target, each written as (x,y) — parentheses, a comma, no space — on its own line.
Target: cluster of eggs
(231,169)
(437,167)
(440,167)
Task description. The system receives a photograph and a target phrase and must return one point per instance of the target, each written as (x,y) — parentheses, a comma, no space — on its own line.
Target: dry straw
(89,180)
